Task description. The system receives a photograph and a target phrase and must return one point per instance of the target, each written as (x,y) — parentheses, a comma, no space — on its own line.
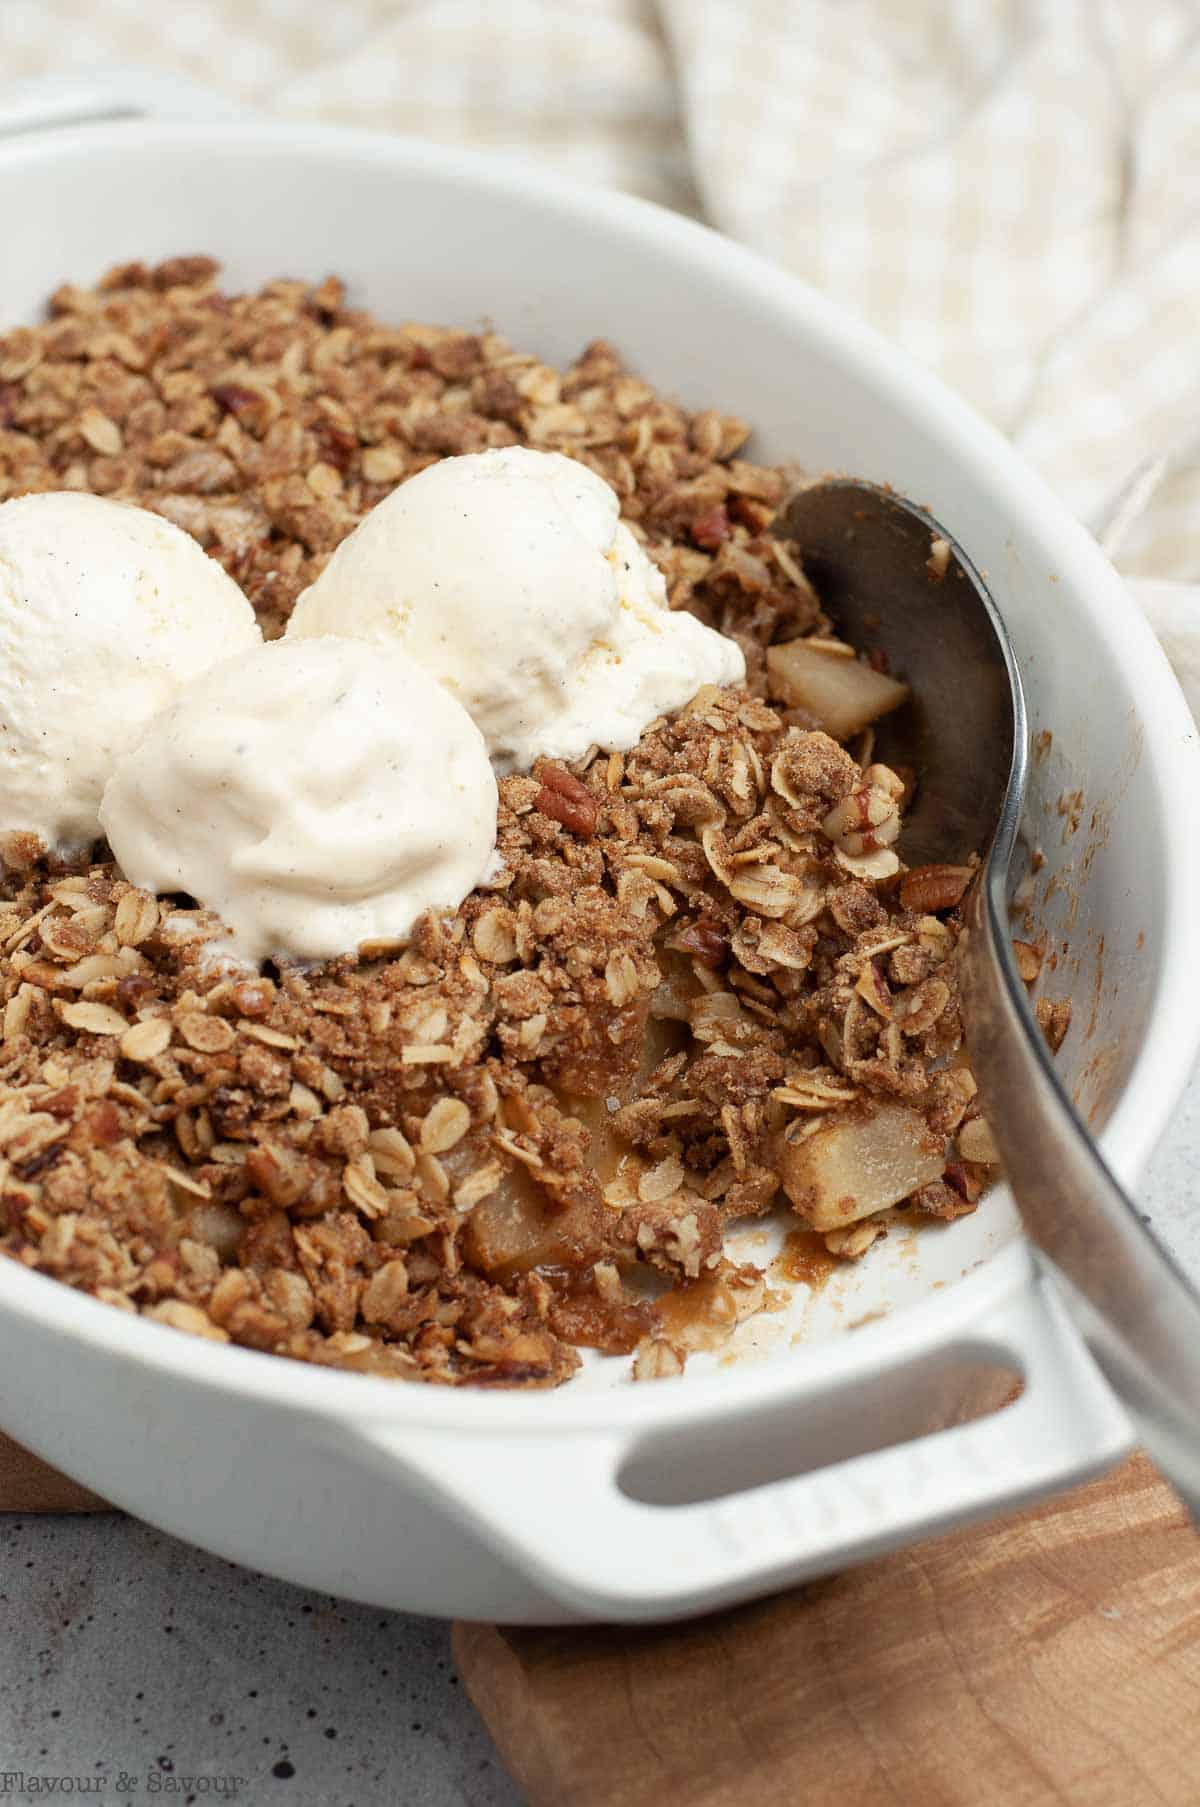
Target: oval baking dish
(606,1500)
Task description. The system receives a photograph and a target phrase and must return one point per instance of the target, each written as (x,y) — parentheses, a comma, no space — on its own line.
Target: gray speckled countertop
(126,1653)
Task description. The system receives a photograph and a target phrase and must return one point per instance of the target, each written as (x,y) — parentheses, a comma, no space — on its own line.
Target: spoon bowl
(870,555)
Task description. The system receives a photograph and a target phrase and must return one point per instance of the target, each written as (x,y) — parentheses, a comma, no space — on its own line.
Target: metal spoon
(868,554)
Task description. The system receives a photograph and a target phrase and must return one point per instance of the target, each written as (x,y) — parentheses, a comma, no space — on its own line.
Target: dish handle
(108,94)
(555,1507)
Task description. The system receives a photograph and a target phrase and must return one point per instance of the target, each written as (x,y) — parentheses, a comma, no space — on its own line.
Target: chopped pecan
(564,798)
(704,940)
(938,1199)
(712,528)
(929,889)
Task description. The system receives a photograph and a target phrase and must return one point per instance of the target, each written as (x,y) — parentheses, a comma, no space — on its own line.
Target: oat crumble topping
(696,981)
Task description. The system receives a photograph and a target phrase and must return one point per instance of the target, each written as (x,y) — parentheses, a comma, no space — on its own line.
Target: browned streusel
(445,1164)
(267,425)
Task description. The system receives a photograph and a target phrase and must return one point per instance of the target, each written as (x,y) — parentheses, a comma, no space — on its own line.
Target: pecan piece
(962,1179)
(704,940)
(712,528)
(339,447)
(566,800)
(102,1123)
(249,406)
(932,888)
(63,1103)
(938,1199)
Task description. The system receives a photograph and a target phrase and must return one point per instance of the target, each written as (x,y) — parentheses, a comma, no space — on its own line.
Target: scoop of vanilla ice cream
(105,610)
(315,793)
(509,575)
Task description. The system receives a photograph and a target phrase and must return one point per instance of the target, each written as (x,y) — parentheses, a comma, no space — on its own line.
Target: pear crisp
(702,986)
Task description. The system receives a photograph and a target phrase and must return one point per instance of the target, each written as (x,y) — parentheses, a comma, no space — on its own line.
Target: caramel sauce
(804,1259)
(700,1315)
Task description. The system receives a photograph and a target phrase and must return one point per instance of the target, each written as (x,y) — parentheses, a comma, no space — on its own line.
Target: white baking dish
(514,1507)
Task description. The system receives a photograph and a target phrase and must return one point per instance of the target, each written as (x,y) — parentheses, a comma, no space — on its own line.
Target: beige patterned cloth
(1004,187)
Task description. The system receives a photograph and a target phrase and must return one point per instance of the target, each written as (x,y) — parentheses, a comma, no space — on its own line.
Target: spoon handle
(1137,1311)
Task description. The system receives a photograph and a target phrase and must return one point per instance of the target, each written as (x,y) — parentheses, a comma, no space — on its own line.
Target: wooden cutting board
(27,1485)
(1052,1660)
